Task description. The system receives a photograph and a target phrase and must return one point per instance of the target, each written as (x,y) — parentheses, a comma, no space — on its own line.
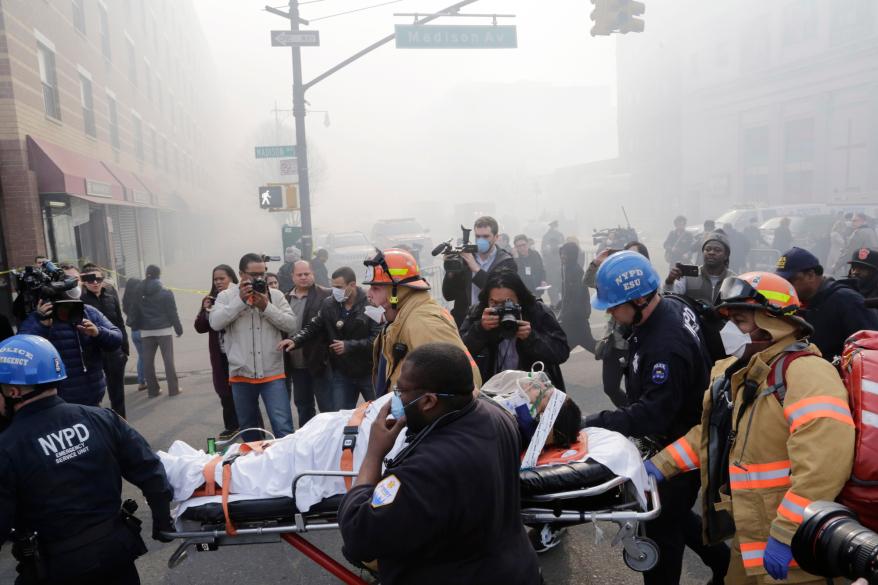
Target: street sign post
(288,38)
(288,167)
(271,197)
(448,36)
(285,151)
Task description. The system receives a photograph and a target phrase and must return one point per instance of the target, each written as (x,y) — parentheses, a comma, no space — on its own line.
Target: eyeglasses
(91,278)
(398,393)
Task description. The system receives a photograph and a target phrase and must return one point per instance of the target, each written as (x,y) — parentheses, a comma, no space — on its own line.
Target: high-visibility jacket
(786,453)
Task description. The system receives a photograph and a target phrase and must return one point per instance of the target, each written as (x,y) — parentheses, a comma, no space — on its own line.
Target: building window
(132,63)
(798,186)
(799,22)
(114,121)
(138,137)
(88,110)
(49,79)
(852,20)
(756,44)
(756,147)
(106,45)
(79,15)
(165,153)
(155,147)
(799,141)
(147,78)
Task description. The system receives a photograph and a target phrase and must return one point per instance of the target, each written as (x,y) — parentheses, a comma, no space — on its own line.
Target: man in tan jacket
(776,432)
(412,318)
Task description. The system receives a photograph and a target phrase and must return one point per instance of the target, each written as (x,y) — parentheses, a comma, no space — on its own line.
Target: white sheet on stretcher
(317,446)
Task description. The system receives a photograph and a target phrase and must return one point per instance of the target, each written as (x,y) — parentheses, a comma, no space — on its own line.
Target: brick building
(105,130)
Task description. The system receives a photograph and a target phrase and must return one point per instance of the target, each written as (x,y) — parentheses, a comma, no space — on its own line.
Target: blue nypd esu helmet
(624,277)
(28,360)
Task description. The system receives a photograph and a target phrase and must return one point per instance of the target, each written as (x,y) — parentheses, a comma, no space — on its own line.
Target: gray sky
(423,124)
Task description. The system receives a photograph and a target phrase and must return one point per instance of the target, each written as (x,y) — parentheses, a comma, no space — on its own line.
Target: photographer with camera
(101,295)
(702,282)
(511,330)
(157,319)
(776,432)
(79,332)
(255,319)
(463,284)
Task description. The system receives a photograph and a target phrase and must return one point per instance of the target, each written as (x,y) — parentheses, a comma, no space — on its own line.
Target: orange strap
(209,487)
(227,487)
(351,431)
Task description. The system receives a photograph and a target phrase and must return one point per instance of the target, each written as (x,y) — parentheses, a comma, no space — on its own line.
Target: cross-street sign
(271,197)
(449,36)
(286,151)
(288,38)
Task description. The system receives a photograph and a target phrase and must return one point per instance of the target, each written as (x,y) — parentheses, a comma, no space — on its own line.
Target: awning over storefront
(59,170)
(136,192)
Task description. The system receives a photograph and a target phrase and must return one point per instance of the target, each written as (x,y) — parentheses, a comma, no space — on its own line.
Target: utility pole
(301,144)
(299,103)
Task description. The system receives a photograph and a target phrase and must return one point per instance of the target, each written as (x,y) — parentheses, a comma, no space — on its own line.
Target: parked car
(346,249)
(810,232)
(740,216)
(408,232)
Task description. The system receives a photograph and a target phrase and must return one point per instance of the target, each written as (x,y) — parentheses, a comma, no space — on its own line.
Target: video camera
(510,315)
(453,262)
(42,283)
(831,542)
(615,237)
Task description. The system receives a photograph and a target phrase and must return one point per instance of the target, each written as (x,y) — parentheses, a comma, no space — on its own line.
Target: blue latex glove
(777,558)
(652,470)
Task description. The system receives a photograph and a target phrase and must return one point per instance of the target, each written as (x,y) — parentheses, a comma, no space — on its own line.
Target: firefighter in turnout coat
(776,432)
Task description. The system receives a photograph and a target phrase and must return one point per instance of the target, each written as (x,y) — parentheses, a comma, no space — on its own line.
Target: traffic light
(271,197)
(611,16)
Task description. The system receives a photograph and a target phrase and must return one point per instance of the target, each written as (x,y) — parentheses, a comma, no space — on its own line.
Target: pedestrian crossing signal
(271,197)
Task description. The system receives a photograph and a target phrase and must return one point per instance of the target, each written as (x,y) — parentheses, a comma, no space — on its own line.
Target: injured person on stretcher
(548,419)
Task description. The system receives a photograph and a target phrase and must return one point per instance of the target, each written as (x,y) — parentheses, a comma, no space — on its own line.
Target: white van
(741,216)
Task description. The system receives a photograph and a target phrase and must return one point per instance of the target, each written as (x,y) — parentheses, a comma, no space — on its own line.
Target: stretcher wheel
(648,555)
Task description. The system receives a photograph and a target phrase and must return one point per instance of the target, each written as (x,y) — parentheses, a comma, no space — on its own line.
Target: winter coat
(81,354)
(252,336)
(109,304)
(546,343)
(316,354)
(698,287)
(420,320)
(155,308)
(531,270)
(458,286)
(678,246)
(285,277)
(130,300)
(786,454)
(357,330)
(575,298)
(219,363)
(836,312)
(783,239)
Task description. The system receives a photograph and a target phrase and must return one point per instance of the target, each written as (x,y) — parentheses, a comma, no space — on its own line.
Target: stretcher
(559,493)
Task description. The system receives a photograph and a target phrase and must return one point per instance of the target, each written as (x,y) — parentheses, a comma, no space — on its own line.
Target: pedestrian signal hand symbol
(271,197)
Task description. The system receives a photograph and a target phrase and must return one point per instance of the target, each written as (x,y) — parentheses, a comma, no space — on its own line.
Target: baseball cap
(795,260)
(865,257)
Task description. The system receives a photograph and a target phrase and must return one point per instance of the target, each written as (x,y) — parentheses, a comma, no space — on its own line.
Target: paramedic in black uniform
(61,470)
(446,510)
(667,372)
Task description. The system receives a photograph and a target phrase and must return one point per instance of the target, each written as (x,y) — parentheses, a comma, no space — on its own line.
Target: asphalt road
(195,415)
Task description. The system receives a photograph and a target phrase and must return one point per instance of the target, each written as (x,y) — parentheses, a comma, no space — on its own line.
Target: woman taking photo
(223,275)
(510,330)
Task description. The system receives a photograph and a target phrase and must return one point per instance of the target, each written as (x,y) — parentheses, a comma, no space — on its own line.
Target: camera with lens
(510,315)
(831,542)
(452,261)
(615,237)
(46,283)
(259,284)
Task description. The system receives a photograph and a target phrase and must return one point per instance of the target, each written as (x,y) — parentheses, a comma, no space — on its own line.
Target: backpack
(859,372)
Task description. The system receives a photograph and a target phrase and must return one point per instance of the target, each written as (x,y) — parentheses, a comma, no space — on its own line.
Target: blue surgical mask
(483,245)
(397,408)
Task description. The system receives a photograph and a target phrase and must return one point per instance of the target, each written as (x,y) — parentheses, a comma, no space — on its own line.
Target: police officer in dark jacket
(667,374)
(833,308)
(61,470)
(343,325)
(103,297)
(500,341)
(446,510)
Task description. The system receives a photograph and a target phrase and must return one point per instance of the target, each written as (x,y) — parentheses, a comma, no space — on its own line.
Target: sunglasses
(91,278)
